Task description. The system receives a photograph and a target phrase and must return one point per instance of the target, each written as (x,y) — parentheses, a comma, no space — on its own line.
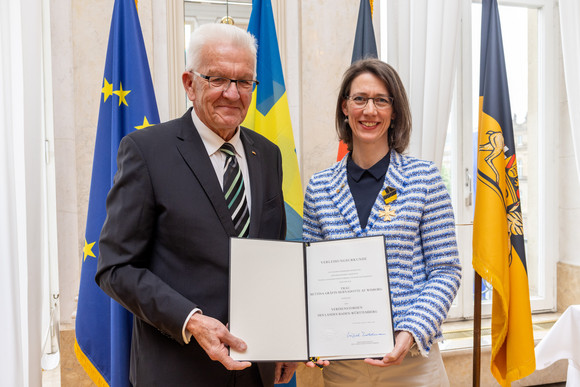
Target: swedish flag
(269,115)
(498,231)
(103,327)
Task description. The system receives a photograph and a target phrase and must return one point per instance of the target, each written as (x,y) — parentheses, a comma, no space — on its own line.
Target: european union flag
(103,327)
(269,114)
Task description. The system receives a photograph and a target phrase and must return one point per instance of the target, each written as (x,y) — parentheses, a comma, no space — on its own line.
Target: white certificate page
(268,300)
(349,308)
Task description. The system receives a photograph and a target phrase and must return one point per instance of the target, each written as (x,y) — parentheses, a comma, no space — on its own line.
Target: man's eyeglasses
(222,83)
(360,102)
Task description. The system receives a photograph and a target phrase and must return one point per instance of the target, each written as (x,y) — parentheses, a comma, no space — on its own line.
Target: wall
(79,43)
(65,155)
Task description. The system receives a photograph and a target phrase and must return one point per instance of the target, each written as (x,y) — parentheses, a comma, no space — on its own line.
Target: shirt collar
(212,141)
(377,171)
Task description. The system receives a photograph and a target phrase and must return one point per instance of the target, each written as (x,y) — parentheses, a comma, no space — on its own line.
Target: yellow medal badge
(389,195)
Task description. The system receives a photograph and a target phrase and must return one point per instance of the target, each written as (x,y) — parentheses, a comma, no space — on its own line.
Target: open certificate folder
(290,301)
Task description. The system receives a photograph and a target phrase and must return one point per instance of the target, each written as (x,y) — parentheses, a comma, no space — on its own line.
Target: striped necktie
(234,191)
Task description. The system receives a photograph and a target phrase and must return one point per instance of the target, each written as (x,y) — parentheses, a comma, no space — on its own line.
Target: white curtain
(569,17)
(22,205)
(422,45)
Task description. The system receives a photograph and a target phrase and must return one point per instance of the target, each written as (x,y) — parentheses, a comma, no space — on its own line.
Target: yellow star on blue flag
(144,124)
(107,89)
(88,250)
(122,94)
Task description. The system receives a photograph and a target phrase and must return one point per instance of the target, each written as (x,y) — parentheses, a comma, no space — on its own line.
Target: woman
(376,190)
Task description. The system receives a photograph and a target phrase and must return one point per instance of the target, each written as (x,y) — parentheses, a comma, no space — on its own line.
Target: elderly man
(182,189)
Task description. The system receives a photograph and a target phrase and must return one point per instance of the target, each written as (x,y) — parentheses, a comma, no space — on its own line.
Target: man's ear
(187,79)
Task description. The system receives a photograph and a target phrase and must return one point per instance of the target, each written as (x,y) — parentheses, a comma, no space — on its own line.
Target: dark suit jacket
(164,247)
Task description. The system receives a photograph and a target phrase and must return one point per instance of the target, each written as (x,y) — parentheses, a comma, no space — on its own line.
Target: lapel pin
(254,153)
(389,195)
(387,213)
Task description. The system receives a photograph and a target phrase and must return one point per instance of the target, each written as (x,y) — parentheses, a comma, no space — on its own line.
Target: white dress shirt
(212,143)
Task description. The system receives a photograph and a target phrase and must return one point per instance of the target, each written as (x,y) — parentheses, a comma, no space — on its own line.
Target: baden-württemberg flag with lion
(498,230)
(269,114)
(127,103)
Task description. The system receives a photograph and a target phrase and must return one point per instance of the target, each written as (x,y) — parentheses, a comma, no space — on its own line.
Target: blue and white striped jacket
(422,257)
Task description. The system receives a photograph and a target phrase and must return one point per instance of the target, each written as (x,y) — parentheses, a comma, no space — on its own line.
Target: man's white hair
(216,34)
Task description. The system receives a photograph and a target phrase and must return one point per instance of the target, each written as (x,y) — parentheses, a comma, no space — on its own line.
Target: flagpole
(477,330)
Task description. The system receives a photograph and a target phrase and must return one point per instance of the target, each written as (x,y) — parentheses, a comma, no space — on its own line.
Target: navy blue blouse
(365,185)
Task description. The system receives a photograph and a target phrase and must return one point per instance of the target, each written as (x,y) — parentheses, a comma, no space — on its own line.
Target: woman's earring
(392,126)
(346,120)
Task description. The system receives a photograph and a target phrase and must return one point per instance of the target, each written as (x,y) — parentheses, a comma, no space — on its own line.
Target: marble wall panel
(568,285)
(326,52)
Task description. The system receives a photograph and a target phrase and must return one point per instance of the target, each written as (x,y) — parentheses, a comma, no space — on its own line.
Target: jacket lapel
(254,158)
(191,148)
(339,193)
(395,174)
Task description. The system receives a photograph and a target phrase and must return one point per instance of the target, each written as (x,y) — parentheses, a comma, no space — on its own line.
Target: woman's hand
(403,343)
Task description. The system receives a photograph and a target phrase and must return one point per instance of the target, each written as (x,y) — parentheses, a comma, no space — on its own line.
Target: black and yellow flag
(498,232)
(365,46)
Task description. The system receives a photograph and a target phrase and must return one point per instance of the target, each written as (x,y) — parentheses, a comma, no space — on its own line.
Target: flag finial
(227,20)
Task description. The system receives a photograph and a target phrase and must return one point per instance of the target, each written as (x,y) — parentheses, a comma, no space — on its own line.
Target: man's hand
(403,342)
(215,339)
(284,372)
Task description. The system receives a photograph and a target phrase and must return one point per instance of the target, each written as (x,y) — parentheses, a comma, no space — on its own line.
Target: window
(528,33)
(198,12)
